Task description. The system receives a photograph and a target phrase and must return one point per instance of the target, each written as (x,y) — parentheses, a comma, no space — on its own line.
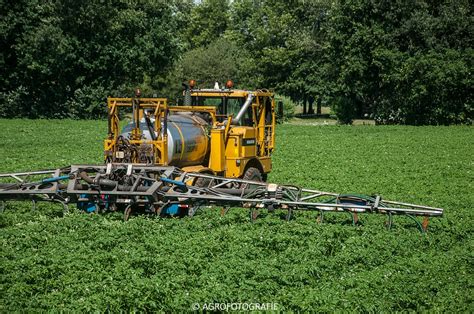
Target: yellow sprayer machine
(215,149)
(226,132)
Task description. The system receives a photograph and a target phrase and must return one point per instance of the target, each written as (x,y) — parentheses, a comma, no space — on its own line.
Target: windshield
(225,106)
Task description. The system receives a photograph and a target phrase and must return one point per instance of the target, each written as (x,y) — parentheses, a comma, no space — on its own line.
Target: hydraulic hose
(102,182)
(108,183)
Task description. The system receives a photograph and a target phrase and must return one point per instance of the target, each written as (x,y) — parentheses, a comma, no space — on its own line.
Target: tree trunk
(304,105)
(318,108)
(310,106)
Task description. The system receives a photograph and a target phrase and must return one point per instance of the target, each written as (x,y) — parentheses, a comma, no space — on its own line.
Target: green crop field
(77,261)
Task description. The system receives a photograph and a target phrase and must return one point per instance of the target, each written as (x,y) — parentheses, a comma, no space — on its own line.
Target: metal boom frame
(167,190)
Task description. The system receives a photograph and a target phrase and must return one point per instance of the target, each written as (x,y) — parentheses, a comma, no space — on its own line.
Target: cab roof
(209,92)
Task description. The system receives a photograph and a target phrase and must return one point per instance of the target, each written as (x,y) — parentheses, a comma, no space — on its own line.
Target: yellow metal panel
(197,168)
(266,164)
(242,142)
(217,157)
(219,93)
(232,148)
(234,168)
(228,93)
(249,143)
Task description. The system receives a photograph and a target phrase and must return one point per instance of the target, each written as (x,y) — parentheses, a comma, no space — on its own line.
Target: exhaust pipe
(244,108)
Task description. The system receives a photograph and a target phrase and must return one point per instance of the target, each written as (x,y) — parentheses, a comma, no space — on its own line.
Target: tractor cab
(242,105)
(227,102)
(248,120)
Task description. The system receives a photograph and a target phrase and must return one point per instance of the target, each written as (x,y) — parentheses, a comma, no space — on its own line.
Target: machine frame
(234,148)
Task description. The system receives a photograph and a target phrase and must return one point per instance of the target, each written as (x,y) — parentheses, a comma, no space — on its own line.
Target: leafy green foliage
(398,62)
(289,106)
(220,61)
(344,109)
(81,262)
(286,41)
(208,21)
(403,62)
(63,57)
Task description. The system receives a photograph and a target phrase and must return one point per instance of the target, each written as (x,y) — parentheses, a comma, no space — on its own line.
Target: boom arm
(166,190)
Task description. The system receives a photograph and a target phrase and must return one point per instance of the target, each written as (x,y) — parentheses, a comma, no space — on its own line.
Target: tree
(208,22)
(64,57)
(287,42)
(218,62)
(401,60)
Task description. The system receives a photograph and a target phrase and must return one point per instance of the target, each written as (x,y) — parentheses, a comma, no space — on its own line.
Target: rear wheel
(253,174)
(202,182)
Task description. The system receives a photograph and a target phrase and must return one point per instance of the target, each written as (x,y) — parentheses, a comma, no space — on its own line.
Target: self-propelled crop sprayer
(173,160)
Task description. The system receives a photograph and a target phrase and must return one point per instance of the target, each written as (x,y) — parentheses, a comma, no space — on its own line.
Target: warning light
(138,92)
(229,84)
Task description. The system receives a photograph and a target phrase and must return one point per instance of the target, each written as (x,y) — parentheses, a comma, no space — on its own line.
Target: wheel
(202,182)
(253,174)
(127,212)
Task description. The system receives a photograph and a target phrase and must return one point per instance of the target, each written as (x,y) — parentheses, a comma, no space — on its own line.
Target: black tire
(127,212)
(253,174)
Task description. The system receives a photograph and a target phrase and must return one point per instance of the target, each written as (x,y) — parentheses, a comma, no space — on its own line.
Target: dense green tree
(404,62)
(62,58)
(398,61)
(219,61)
(287,42)
(208,21)
(262,28)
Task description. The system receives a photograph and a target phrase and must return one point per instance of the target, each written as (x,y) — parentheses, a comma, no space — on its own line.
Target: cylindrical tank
(188,141)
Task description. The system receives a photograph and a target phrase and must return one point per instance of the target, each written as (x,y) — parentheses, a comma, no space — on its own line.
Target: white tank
(188,140)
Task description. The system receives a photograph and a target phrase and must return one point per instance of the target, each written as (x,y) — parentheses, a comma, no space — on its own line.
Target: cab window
(226,106)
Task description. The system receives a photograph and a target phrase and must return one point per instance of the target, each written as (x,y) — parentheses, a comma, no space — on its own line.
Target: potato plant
(88,262)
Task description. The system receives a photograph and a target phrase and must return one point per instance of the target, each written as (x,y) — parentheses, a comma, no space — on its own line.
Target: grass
(326,121)
(324,110)
(83,262)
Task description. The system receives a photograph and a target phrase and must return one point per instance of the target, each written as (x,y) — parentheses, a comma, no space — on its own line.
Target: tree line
(407,62)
